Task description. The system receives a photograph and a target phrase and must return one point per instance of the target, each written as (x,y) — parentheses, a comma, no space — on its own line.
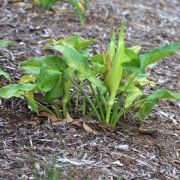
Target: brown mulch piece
(30,144)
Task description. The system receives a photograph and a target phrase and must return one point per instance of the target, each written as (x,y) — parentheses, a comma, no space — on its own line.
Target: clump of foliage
(80,7)
(124,78)
(52,77)
(116,79)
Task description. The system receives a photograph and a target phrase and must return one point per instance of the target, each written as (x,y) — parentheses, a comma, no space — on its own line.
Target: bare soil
(29,144)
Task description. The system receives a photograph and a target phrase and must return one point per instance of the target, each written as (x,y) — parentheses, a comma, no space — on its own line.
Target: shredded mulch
(29,145)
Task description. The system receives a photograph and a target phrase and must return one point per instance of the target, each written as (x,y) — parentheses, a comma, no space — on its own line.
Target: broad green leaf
(77,42)
(97,59)
(27,79)
(6,75)
(132,62)
(150,57)
(31,101)
(98,68)
(54,64)
(132,94)
(46,80)
(16,90)
(155,97)
(130,54)
(96,64)
(132,65)
(72,57)
(55,92)
(135,49)
(143,82)
(157,54)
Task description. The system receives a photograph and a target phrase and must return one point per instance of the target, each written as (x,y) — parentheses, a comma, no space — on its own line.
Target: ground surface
(29,144)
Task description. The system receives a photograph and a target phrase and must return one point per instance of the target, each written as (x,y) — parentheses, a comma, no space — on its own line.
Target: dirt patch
(29,144)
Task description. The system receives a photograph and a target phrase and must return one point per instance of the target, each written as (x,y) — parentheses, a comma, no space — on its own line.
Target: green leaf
(132,62)
(132,94)
(72,57)
(143,82)
(113,77)
(157,54)
(31,101)
(155,97)
(112,46)
(98,68)
(135,49)
(16,90)
(138,63)
(97,83)
(27,79)
(54,64)
(47,3)
(55,92)
(97,59)
(46,80)
(77,42)
(6,75)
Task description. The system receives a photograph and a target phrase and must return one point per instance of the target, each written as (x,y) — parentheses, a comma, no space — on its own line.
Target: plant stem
(109,107)
(115,113)
(91,103)
(45,108)
(98,102)
(118,117)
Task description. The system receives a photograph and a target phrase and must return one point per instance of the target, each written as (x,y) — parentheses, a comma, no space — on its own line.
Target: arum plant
(116,78)
(125,79)
(48,80)
(80,7)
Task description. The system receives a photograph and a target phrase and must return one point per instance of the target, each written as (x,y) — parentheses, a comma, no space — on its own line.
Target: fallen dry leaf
(32,123)
(88,128)
(76,123)
(69,119)
(23,5)
(58,123)
(106,127)
(52,117)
